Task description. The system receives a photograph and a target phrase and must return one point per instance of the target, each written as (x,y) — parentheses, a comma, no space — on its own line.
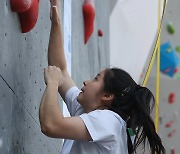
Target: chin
(78,99)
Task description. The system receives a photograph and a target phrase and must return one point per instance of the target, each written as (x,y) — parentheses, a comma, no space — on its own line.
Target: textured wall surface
(89,59)
(169,122)
(169,112)
(22,59)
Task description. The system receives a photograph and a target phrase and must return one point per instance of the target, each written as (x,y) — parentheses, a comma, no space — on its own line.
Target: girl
(101,112)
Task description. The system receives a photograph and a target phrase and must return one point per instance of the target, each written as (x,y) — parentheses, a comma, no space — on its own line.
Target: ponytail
(134,104)
(142,123)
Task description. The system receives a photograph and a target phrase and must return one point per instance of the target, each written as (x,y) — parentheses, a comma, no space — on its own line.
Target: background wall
(169,112)
(133,29)
(22,59)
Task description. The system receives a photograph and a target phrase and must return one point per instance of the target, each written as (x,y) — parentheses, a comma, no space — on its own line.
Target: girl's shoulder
(107,116)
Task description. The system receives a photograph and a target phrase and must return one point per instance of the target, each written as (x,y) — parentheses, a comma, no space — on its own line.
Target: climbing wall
(169,108)
(22,59)
(169,122)
(89,59)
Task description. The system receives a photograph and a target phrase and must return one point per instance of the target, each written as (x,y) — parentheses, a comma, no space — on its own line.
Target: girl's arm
(56,55)
(53,123)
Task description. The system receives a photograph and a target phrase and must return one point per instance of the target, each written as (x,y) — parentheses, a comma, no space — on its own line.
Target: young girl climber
(101,112)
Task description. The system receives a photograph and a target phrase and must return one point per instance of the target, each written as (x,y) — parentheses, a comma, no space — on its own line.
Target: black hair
(134,104)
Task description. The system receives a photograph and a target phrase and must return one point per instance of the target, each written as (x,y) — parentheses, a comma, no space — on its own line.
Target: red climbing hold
(172,133)
(172,98)
(89,16)
(20,5)
(29,18)
(175,70)
(28,13)
(173,151)
(169,124)
(100,33)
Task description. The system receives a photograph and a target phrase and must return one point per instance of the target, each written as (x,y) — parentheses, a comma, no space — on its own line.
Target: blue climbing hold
(169,59)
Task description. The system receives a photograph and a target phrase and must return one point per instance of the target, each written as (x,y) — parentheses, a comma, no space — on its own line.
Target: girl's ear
(107,97)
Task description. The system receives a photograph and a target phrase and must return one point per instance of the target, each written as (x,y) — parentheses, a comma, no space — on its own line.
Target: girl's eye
(95,78)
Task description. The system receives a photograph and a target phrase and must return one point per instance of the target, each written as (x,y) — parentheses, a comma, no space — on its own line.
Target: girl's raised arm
(56,54)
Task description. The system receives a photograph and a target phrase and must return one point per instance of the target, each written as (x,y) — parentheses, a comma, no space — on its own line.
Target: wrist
(52,85)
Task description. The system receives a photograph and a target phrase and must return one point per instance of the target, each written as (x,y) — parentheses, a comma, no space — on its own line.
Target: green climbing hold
(178,49)
(169,49)
(178,77)
(170,29)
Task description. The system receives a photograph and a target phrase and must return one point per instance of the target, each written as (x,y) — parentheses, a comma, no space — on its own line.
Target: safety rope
(156,53)
(158,71)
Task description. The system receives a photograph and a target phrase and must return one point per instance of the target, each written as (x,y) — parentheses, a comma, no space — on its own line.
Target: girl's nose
(85,82)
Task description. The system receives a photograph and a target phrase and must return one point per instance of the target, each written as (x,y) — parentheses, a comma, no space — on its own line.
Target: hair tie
(127,90)
(131,90)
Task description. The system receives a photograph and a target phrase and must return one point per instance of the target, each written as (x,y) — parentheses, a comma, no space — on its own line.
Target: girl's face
(92,92)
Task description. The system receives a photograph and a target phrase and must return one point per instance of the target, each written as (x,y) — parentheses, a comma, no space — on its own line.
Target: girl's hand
(54,12)
(53,75)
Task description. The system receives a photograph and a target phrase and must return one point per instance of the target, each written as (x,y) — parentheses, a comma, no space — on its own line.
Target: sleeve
(103,127)
(71,100)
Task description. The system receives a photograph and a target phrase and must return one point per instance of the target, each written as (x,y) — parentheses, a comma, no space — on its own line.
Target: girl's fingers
(54,10)
(53,3)
(54,14)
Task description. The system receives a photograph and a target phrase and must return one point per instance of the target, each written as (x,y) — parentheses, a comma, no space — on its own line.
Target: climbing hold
(172,98)
(28,13)
(173,151)
(170,28)
(172,133)
(178,76)
(160,120)
(175,70)
(20,5)
(89,17)
(178,49)
(29,18)
(169,124)
(100,33)
(169,60)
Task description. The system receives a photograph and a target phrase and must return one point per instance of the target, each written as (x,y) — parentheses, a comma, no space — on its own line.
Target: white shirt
(107,130)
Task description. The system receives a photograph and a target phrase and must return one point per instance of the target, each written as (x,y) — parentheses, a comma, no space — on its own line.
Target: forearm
(56,54)
(49,108)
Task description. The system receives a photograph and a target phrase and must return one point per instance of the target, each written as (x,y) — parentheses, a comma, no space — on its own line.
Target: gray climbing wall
(169,124)
(168,113)
(22,59)
(89,59)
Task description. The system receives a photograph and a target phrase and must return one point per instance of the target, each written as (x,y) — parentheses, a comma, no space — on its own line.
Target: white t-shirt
(107,130)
